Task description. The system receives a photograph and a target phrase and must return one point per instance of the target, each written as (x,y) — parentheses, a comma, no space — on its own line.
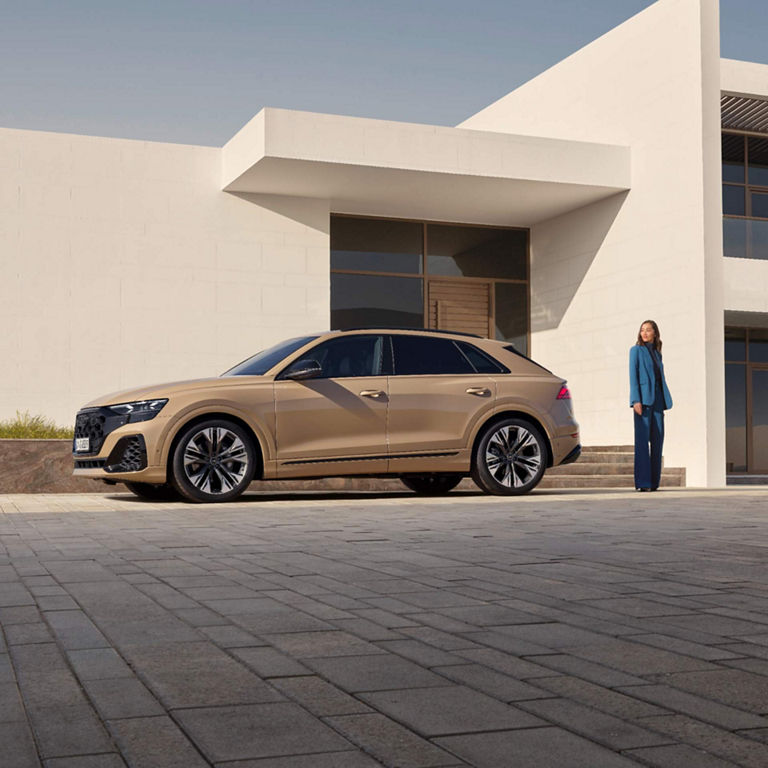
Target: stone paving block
(48,590)
(505,663)
(121,697)
(11,708)
(318,696)
(74,630)
(196,674)
(392,605)
(167,596)
(70,571)
(617,704)
(200,617)
(700,707)
(638,607)
(697,650)
(257,730)
(677,756)
(713,624)
(98,664)
(386,618)
(735,687)
(496,684)
(532,748)
(365,629)
(230,636)
(6,670)
(597,726)
(15,594)
(489,615)
(44,677)
(21,634)
(267,662)
(56,603)
(392,744)
(108,760)
(155,742)
(374,673)
(439,639)
(349,759)
(422,654)
(502,642)
(304,645)
(586,670)
(454,709)
(27,614)
(728,746)
(554,635)
(68,731)
(18,748)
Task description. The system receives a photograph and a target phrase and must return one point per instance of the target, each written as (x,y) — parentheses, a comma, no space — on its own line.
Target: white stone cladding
(123,263)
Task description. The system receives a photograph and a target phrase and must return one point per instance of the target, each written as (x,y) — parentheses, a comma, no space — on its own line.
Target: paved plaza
(353,630)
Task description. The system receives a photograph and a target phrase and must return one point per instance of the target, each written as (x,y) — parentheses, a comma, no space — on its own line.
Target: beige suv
(428,407)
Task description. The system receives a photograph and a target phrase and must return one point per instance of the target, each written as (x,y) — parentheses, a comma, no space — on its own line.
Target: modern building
(627,182)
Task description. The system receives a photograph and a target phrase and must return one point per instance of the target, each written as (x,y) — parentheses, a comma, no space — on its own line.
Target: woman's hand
(638,408)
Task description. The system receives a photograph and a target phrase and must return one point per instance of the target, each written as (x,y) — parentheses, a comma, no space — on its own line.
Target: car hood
(171,388)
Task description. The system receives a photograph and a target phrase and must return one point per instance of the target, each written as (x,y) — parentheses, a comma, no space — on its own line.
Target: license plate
(82,444)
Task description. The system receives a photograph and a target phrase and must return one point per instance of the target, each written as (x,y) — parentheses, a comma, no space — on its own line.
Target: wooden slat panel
(455,306)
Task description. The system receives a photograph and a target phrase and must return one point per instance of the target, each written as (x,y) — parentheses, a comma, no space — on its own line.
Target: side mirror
(303,369)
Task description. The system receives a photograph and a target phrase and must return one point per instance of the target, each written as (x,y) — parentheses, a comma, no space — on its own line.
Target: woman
(649,398)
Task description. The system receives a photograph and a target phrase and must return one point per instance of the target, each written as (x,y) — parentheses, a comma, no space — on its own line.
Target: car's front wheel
(432,484)
(510,458)
(151,492)
(213,460)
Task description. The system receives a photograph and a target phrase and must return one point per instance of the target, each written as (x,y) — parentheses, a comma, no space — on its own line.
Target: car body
(421,405)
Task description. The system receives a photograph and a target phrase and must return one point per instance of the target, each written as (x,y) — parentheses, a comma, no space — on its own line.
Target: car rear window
(421,355)
(481,362)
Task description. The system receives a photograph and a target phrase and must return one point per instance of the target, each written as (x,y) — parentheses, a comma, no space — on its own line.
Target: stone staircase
(605,466)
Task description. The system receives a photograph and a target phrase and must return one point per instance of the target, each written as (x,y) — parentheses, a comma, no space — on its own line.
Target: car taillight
(564,393)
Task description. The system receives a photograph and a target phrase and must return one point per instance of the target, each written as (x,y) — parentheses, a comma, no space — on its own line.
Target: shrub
(29,427)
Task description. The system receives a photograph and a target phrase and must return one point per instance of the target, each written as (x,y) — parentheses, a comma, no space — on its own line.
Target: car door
(436,397)
(335,423)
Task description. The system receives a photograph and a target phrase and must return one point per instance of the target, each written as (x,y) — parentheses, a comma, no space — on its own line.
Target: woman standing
(649,397)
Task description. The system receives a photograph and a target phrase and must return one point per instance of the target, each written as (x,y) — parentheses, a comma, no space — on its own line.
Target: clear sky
(195,71)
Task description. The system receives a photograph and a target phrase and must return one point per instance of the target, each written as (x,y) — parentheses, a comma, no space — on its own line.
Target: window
(481,362)
(410,274)
(421,356)
(745,196)
(348,356)
(261,362)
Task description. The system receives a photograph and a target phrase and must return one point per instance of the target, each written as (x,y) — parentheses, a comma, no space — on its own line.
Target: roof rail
(422,330)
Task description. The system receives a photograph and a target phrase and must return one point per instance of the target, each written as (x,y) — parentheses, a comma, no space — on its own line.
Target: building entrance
(746,400)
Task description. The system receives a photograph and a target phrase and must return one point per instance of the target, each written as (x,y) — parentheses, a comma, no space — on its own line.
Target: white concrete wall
(123,263)
(652,84)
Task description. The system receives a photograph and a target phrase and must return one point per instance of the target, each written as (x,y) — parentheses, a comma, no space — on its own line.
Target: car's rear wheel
(149,491)
(214,460)
(510,458)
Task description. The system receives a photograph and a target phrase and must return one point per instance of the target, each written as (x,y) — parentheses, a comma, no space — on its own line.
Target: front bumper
(119,450)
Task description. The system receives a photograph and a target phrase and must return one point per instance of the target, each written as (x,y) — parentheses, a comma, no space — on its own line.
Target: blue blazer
(642,379)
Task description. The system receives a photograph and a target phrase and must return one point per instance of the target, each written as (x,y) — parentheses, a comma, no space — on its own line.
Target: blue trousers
(649,441)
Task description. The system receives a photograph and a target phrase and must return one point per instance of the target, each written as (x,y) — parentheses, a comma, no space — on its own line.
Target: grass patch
(26,427)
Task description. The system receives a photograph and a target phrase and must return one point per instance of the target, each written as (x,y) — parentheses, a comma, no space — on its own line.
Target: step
(604,481)
(607,449)
(578,468)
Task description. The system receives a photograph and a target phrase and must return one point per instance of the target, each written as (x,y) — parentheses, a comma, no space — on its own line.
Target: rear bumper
(572,456)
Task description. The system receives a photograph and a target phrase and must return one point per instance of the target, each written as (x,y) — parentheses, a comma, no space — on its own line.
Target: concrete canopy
(384,168)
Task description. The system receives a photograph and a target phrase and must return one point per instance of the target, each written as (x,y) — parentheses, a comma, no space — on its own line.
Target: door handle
(479,391)
(374,393)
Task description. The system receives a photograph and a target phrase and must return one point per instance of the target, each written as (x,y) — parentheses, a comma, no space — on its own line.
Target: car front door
(436,397)
(335,423)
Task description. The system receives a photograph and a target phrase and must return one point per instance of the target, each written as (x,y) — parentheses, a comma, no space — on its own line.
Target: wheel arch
(224,416)
(513,414)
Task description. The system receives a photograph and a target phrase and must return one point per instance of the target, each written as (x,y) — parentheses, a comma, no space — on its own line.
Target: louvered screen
(459,306)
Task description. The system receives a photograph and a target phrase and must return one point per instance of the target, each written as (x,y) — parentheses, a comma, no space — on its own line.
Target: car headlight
(139,410)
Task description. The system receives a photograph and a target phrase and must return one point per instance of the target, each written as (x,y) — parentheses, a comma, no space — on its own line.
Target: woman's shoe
(642,490)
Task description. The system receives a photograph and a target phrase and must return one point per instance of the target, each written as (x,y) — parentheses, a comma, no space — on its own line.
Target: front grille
(96,424)
(128,455)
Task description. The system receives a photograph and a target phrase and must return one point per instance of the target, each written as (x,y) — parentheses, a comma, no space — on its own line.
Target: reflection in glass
(735,344)
(733,158)
(759,420)
(477,251)
(758,161)
(376,245)
(512,314)
(758,345)
(359,301)
(759,205)
(733,200)
(736,418)
(735,238)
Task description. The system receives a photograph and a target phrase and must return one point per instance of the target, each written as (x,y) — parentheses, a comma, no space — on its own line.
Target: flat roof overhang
(384,168)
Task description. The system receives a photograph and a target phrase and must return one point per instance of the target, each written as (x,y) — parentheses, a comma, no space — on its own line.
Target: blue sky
(194,71)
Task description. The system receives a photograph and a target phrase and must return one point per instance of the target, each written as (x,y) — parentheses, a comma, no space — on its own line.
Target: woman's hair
(657,335)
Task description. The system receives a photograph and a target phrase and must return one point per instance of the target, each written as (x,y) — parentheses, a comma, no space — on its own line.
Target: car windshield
(261,362)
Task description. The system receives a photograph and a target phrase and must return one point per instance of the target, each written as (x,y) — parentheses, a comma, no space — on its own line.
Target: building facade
(627,182)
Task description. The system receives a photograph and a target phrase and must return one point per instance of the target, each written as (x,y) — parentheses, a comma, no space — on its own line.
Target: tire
(432,484)
(510,458)
(163,492)
(214,460)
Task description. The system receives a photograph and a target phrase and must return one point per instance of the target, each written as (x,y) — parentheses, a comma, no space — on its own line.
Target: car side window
(348,356)
(422,355)
(481,361)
